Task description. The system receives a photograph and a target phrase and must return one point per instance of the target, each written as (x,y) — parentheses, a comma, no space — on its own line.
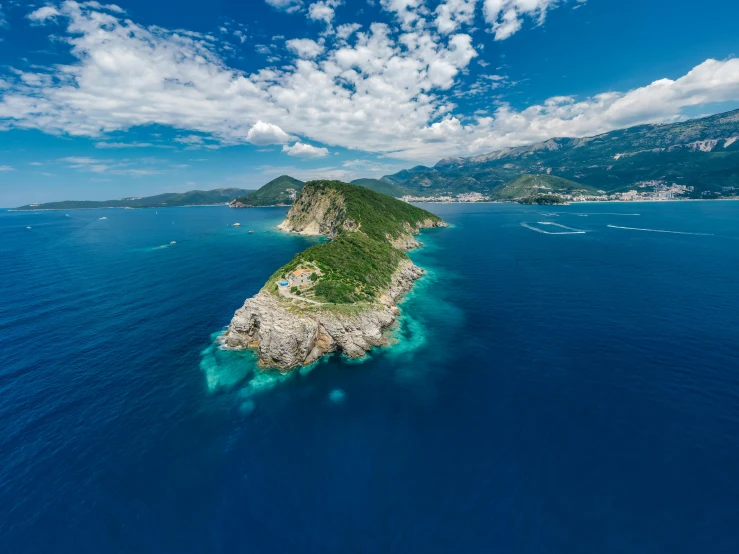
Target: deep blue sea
(566,380)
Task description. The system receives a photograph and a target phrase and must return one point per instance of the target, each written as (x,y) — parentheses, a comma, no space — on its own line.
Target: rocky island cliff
(341,295)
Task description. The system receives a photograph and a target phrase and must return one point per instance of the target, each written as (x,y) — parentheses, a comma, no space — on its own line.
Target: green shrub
(356,266)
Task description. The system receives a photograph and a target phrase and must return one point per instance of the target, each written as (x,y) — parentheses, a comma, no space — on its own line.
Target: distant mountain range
(167,200)
(381,185)
(700,153)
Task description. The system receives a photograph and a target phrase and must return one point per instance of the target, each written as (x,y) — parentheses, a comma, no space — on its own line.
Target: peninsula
(340,295)
(215,197)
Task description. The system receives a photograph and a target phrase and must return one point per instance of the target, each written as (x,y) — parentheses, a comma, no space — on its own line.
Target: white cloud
(323,10)
(305,47)
(661,101)
(302,150)
(289,6)
(3,21)
(347,30)
(506,16)
(79,160)
(383,91)
(407,11)
(135,172)
(263,134)
(44,14)
(98,6)
(452,14)
(192,141)
(105,145)
(6,168)
(373,168)
(112,167)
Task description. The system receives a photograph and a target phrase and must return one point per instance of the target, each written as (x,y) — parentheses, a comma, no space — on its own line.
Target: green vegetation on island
(354,268)
(358,262)
(278,192)
(542,200)
(376,215)
(173,199)
(527,186)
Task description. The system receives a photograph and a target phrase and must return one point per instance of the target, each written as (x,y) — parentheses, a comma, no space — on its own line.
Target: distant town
(643,191)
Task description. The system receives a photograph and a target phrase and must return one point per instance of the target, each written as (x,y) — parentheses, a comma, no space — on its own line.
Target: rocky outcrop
(407,241)
(325,214)
(288,334)
(317,214)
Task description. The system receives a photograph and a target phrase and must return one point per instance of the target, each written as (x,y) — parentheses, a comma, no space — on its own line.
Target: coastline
(126,208)
(585,201)
(226,205)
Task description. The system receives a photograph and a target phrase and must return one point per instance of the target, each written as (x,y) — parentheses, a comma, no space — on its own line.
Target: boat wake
(603,213)
(567,230)
(661,231)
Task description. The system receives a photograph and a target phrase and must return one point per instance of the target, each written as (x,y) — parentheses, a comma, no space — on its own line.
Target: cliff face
(407,241)
(317,213)
(324,212)
(286,336)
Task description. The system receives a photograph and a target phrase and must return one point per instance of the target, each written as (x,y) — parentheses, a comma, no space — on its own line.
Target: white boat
(173,242)
(237,224)
(103,217)
(28,227)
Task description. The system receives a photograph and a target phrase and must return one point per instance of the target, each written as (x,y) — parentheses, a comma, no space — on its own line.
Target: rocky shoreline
(288,335)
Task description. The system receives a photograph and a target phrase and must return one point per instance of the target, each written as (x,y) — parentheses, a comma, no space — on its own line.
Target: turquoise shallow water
(564,380)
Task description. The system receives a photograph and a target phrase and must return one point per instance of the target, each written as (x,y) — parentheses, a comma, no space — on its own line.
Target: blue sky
(103,101)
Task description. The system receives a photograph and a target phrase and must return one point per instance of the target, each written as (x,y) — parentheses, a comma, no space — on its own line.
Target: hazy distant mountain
(284,189)
(703,153)
(381,185)
(280,191)
(172,199)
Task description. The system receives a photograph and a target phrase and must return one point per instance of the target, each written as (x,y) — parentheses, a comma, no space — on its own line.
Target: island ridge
(340,295)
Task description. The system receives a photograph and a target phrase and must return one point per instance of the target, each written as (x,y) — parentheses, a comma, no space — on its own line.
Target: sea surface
(565,380)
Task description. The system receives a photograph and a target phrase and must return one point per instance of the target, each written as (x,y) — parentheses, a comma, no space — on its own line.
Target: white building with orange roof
(301,277)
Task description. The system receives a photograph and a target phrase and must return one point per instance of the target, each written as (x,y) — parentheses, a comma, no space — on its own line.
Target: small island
(340,295)
(542,200)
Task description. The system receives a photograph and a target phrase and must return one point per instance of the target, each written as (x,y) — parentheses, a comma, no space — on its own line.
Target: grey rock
(289,334)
